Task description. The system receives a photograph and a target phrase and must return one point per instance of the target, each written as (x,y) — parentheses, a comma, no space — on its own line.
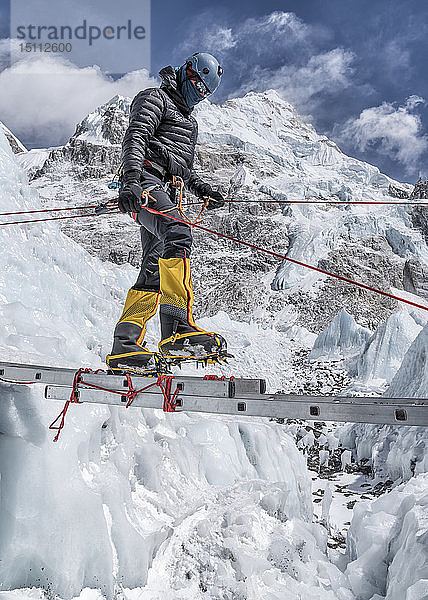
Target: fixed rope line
(254,246)
(43,220)
(229,201)
(45,210)
(113,212)
(283,257)
(110,205)
(315,202)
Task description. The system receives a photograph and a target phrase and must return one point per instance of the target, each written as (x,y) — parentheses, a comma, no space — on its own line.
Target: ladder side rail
(283,408)
(193,385)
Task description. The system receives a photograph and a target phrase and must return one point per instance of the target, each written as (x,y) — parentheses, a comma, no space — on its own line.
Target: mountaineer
(159,144)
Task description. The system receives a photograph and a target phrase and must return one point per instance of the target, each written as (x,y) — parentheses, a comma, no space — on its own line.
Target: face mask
(192,88)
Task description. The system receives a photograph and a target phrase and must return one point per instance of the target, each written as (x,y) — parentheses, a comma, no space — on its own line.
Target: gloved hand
(216,200)
(130,197)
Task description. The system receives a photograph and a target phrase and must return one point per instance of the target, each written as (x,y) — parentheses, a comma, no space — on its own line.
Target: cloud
(220,39)
(396,55)
(325,73)
(255,39)
(46,97)
(393,130)
(277,50)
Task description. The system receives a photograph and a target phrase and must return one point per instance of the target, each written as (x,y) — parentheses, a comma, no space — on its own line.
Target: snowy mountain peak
(106,124)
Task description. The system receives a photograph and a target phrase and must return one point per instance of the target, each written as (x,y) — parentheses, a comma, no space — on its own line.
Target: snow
(306,166)
(57,302)
(16,145)
(342,337)
(141,504)
(92,128)
(394,451)
(136,498)
(33,160)
(387,545)
(411,379)
(385,350)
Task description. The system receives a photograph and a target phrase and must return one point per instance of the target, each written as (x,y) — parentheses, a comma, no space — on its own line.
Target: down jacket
(162,129)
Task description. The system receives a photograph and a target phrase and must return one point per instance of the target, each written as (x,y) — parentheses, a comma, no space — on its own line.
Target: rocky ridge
(16,145)
(258,149)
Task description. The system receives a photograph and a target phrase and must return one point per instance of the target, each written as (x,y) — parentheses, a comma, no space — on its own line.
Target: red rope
(18,382)
(169,404)
(44,210)
(314,202)
(311,202)
(164,382)
(292,260)
(72,400)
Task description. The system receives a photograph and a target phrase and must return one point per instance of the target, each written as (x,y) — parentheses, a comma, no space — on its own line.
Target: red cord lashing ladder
(74,399)
(164,382)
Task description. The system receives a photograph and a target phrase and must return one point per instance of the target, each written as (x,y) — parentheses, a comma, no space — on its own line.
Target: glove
(216,200)
(203,190)
(130,197)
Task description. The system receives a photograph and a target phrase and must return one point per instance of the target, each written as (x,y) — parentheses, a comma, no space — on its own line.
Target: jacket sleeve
(145,116)
(197,186)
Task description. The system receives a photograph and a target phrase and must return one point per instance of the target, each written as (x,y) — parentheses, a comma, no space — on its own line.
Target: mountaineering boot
(181,337)
(128,352)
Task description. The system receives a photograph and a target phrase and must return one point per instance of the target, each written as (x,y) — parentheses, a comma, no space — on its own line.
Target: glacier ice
(190,505)
(385,350)
(411,379)
(132,497)
(396,451)
(342,337)
(387,544)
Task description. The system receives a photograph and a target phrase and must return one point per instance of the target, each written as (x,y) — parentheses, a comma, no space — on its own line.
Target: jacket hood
(170,86)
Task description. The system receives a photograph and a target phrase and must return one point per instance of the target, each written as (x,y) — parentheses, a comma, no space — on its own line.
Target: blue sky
(356,69)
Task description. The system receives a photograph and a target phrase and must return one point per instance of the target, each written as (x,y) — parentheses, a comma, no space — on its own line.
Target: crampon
(155,367)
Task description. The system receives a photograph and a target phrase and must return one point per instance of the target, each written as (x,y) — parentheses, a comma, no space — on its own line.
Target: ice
(411,380)
(385,350)
(16,144)
(394,451)
(342,337)
(345,459)
(165,505)
(242,176)
(33,160)
(324,456)
(326,505)
(141,504)
(387,544)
